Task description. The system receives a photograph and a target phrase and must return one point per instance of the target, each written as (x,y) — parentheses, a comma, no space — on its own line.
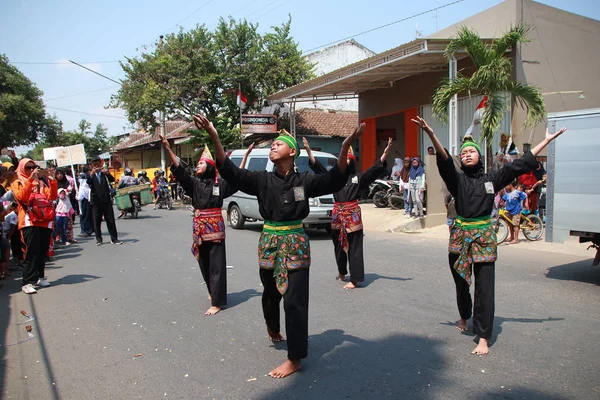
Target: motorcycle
(164,196)
(136,205)
(377,185)
(182,195)
(396,197)
(381,198)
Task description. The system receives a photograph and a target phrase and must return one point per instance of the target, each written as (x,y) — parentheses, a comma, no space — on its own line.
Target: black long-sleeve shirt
(283,198)
(355,183)
(203,191)
(474,193)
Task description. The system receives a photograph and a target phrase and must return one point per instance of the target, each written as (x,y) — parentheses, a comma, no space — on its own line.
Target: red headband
(211,162)
(351,156)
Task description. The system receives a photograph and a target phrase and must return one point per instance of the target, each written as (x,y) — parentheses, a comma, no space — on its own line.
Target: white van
(242,207)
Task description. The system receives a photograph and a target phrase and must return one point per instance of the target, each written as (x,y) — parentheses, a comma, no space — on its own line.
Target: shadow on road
(370,278)
(517,393)
(399,366)
(74,279)
(235,299)
(499,322)
(580,271)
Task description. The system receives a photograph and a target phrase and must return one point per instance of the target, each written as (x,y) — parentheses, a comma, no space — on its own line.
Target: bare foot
(286,369)
(482,348)
(274,337)
(513,242)
(212,311)
(209,297)
(340,277)
(462,325)
(351,285)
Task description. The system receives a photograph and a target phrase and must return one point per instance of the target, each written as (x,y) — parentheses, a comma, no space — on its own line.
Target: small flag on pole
(241,99)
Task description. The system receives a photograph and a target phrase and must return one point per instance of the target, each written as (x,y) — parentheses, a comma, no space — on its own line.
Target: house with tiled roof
(140,150)
(325,130)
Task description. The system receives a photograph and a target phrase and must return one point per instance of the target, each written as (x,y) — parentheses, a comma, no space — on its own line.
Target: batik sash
(347,218)
(207,226)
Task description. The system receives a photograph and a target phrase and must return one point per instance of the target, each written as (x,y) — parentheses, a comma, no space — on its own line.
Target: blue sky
(100,33)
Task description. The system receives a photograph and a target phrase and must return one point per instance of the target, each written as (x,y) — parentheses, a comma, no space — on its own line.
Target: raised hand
(387,150)
(551,137)
(422,124)
(305,143)
(250,148)
(355,135)
(203,123)
(164,141)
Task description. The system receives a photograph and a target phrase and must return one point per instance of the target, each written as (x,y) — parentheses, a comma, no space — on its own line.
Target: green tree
(22,112)
(95,143)
(200,71)
(492,78)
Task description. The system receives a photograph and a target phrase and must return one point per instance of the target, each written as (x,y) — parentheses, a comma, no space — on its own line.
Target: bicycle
(531,225)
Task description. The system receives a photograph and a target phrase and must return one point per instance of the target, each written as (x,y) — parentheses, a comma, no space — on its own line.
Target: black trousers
(295,305)
(213,265)
(355,256)
(36,241)
(483,312)
(16,243)
(86,220)
(105,210)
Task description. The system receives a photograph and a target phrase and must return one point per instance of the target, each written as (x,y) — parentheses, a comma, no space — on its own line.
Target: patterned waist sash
(347,218)
(474,240)
(283,246)
(207,226)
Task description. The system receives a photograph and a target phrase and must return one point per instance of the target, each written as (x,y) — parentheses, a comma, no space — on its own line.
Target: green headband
(470,144)
(290,141)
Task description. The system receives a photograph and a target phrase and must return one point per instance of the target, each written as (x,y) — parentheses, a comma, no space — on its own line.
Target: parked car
(242,207)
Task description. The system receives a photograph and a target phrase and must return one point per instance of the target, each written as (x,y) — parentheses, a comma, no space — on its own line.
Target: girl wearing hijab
(404,174)
(36,220)
(472,249)
(64,183)
(208,247)
(416,186)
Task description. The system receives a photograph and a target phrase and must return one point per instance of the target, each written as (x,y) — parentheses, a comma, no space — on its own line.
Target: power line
(261,9)
(97,73)
(189,15)
(81,94)
(86,113)
(58,63)
(386,25)
(274,8)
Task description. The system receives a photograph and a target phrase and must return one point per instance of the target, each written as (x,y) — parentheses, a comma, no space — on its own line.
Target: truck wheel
(236,219)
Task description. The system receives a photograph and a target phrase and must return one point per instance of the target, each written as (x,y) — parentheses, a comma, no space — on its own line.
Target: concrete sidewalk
(388,220)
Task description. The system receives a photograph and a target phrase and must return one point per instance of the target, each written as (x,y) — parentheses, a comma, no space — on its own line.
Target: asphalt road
(393,338)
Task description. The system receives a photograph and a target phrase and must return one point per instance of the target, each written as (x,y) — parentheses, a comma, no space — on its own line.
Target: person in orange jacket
(34,195)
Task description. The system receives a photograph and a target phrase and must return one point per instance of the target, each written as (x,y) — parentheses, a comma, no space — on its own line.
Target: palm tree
(492,78)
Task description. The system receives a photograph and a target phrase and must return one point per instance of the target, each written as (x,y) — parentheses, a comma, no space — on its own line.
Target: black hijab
(209,174)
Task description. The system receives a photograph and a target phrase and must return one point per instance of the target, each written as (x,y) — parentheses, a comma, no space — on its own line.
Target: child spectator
(513,199)
(64,211)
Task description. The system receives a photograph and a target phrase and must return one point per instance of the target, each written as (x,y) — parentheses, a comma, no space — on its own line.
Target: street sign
(259,123)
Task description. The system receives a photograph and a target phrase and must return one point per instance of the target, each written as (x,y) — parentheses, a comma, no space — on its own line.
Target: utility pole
(163,153)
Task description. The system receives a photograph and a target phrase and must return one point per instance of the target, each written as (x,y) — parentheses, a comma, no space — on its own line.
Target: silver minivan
(242,207)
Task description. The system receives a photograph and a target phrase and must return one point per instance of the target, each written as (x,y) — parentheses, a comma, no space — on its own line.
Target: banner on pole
(71,155)
(50,153)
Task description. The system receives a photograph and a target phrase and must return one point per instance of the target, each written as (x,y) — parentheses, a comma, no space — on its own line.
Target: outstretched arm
(538,149)
(203,123)
(439,148)
(311,158)
(247,181)
(343,159)
(384,156)
(167,146)
(246,154)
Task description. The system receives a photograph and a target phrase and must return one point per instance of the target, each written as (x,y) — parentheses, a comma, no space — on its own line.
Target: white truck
(573,183)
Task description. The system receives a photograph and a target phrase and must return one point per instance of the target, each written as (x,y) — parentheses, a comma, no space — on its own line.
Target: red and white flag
(241,99)
(477,116)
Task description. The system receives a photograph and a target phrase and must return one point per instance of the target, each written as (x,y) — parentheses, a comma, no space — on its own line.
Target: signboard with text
(259,123)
